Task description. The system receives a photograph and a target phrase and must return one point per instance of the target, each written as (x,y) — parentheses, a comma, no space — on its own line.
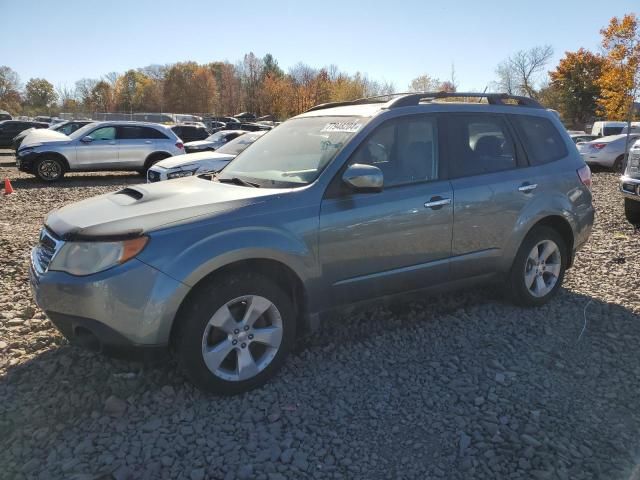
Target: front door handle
(437,202)
(527,187)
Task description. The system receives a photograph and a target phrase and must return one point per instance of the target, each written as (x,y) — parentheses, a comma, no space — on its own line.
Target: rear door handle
(437,202)
(527,187)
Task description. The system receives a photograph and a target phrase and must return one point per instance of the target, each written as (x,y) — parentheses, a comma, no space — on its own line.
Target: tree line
(583,86)
(257,85)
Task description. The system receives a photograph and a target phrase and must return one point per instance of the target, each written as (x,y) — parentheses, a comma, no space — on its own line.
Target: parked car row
(204,162)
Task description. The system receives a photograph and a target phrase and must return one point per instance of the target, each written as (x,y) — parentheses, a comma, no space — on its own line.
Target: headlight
(180,174)
(85,258)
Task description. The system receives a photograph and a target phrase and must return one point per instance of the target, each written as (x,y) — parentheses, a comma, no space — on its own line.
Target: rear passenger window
(404,149)
(479,144)
(148,132)
(135,132)
(541,139)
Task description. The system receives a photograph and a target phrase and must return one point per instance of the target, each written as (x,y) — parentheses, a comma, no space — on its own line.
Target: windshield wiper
(238,181)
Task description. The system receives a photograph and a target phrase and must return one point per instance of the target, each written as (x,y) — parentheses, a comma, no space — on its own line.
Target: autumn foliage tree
(575,87)
(620,79)
(39,94)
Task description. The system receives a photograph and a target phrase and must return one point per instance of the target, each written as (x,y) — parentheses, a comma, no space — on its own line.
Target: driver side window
(404,149)
(104,133)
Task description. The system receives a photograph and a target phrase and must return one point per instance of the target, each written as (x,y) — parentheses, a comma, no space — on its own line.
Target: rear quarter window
(542,141)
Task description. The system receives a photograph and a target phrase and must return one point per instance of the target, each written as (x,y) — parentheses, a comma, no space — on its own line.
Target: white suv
(99,146)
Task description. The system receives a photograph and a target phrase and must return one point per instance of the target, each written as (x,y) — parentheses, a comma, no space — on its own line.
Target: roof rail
(492,98)
(408,99)
(359,101)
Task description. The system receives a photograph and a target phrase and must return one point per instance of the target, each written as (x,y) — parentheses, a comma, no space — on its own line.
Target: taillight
(584,173)
(598,146)
(180,145)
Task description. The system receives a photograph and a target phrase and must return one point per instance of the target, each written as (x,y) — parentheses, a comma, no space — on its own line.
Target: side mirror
(87,139)
(363,178)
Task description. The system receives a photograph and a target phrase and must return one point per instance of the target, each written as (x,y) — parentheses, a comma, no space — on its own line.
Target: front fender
(189,262)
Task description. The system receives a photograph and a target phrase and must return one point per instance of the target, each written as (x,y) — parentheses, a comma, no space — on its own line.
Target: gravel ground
(460,386)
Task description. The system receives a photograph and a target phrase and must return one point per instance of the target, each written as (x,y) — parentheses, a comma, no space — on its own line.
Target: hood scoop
(130,195)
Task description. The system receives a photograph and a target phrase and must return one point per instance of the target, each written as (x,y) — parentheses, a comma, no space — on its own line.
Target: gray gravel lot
(459,386)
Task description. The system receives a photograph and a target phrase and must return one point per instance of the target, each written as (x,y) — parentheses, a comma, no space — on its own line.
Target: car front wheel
(49,169)
(538,269)
(235,333)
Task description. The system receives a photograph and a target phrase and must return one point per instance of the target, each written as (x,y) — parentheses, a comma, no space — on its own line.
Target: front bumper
(126,308)
(25,163)
(630,187)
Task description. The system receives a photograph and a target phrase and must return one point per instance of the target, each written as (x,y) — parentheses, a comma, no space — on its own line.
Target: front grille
(153,176)
(43,253)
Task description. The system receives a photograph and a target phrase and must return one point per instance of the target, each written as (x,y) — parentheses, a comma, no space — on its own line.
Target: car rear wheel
(49,169)
(632,211)
(538,269)
(618,165)
(235,333)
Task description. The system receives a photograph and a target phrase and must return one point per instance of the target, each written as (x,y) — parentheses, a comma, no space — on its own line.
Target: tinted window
(404,149)
(606,131)
(136,132)
(541,139)
(104,133)
(479,144)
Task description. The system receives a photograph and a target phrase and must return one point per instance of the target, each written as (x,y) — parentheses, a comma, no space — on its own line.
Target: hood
(194,159)
(42,136)
(142,208)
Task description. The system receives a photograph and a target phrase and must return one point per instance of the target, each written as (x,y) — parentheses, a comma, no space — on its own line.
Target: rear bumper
(598,159)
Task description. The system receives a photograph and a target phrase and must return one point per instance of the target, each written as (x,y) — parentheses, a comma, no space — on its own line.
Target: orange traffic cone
(7,187)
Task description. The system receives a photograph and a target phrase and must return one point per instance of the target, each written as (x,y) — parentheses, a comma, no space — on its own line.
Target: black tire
(618,165)
(518,290)
(151,161)
(49,169)
(632,211)
(209,297)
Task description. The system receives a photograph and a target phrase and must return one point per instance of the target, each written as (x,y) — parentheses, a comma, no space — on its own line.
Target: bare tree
(520,73)
(66,94)
(424,83)
(111,78)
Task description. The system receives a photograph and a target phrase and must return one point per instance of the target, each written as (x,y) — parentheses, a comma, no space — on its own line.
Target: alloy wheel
(242,338)
(49,169)
(542,268)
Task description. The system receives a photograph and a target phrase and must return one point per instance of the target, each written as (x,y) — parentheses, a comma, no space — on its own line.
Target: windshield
(81,132)
(237,145)
(216,137)
(295,153)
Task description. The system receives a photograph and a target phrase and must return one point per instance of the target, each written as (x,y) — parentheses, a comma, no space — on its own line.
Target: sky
(393,41)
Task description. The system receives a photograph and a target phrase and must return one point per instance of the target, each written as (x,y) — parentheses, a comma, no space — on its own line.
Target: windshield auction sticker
(349,127)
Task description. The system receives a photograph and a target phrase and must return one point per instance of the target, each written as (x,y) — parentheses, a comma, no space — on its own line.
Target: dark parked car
(65,127)
(5,115)
(255,127)
(213,142)
(190,133)
(10,128)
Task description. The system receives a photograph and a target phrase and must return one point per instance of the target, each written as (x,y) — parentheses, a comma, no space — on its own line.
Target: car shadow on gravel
(80,180)
(570,359)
